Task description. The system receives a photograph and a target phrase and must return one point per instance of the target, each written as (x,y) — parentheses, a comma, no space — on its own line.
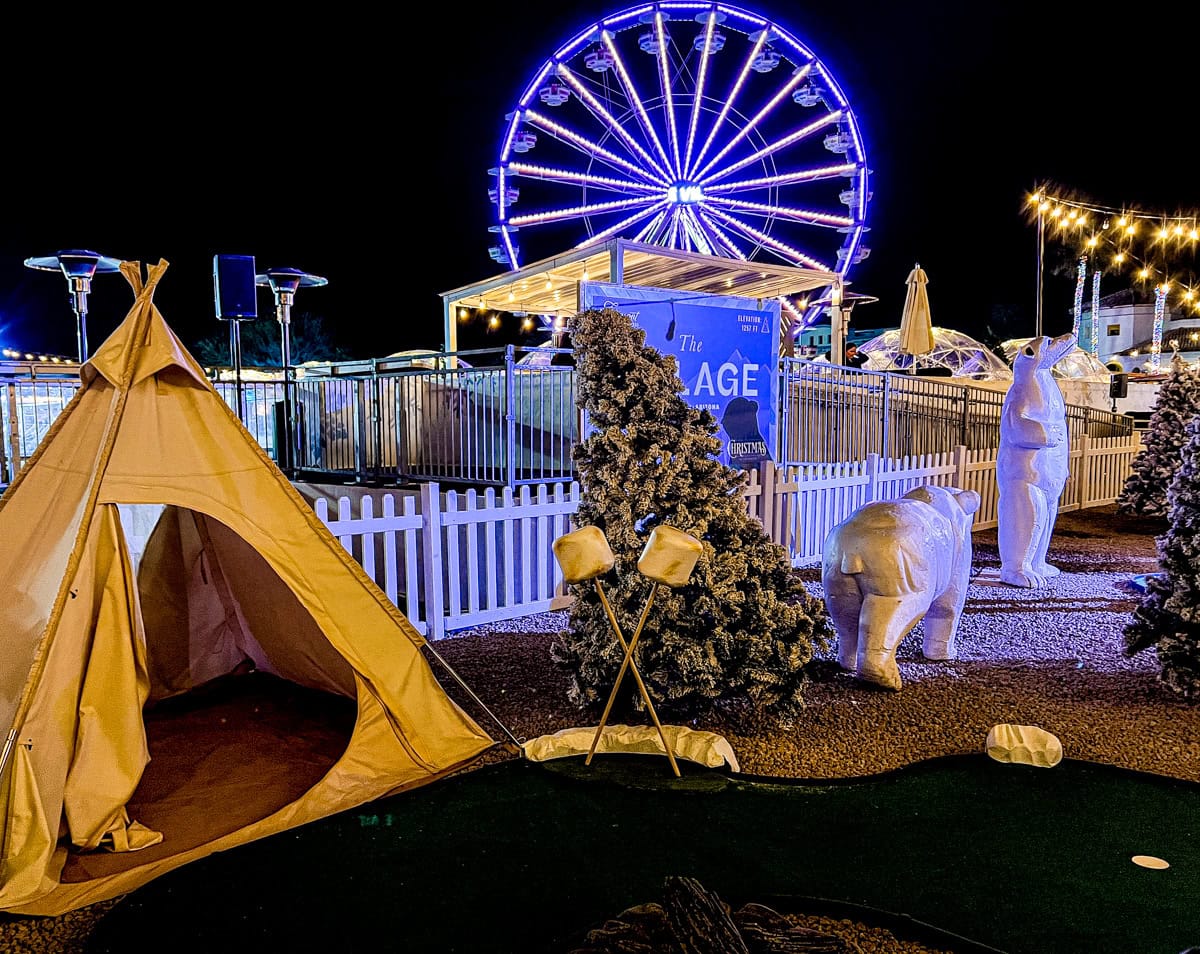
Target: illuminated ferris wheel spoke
(663,230)
(673,232)
(724,239)
(684,239)
(685,124)
(650,228)
(772,148)
(789,254)
(726,107)
(665,85)
(700,237)
(589,147)
(582,178)
(625,224)
(809,216)
(796,317)
(695,170)
(601,112)
(579,211)
(635,100)
(698,97)
(688,238)
(782,179)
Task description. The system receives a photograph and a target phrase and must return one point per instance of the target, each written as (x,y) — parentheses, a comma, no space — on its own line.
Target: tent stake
(471,693)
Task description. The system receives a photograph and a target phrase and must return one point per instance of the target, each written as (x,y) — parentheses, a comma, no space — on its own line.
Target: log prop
(694,920)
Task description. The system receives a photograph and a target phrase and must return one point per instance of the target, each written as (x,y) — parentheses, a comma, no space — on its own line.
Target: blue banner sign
(727,349)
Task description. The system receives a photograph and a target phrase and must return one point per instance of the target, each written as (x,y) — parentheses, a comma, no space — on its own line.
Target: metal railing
(29,408)
(260,401)
(832,413)
(473,417)
(485,417)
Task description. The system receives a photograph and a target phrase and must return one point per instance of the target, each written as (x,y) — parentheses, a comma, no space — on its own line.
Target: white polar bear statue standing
(889,564)
(1032,463)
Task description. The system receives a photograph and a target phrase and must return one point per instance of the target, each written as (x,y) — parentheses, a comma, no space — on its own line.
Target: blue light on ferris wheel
(657,138)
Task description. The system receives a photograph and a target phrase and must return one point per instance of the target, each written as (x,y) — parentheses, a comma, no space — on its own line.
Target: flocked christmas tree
(1168,617)
(1178,401)
(744,628)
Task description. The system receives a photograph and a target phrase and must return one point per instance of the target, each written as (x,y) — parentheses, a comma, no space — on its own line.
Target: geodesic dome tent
(1076,363)
(959,354)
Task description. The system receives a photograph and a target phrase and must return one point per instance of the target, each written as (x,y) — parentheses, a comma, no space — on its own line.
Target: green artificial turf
(524,857)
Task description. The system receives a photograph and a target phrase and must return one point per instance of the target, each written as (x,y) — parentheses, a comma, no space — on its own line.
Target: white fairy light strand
(1080,277)
(1160,298)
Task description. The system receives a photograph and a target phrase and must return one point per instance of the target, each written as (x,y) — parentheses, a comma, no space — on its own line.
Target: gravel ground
(1050,657)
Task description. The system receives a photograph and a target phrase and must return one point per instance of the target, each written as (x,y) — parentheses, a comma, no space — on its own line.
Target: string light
(1095,349)
(1158,247)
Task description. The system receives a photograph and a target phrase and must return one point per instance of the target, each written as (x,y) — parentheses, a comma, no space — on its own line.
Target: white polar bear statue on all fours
(889,564)
(1032,463)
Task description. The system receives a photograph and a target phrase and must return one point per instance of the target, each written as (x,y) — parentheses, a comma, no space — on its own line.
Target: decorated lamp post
(1080,278)
(1160,304)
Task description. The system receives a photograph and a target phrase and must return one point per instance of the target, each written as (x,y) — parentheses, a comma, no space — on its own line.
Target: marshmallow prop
(669,556)
(668,559)
(584,554)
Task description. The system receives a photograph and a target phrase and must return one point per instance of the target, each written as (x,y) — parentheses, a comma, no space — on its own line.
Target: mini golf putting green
(525,857)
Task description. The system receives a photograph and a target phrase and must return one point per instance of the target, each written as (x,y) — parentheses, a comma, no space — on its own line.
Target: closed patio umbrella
(916,324)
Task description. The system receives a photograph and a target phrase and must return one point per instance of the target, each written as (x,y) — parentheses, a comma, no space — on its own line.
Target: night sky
(358,148)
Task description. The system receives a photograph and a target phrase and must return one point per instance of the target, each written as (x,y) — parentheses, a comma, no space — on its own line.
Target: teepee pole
(479,702)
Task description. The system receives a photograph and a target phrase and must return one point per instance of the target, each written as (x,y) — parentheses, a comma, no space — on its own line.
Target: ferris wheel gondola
(706,128)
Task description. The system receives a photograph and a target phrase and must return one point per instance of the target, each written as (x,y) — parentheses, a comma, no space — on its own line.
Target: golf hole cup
(583,554)
(669,556)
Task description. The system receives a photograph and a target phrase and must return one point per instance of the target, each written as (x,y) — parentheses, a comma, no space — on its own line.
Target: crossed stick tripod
(628,663)
(668,559)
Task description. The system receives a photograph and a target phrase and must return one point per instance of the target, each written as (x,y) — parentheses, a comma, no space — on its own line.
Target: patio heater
(284,283)
(78,265)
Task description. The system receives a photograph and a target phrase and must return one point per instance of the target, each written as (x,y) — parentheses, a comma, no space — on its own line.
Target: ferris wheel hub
(685,193)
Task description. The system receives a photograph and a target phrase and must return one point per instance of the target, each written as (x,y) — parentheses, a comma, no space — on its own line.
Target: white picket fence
(451,560)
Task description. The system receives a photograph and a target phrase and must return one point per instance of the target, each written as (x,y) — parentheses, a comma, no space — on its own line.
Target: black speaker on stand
(235,294)
(1118,387)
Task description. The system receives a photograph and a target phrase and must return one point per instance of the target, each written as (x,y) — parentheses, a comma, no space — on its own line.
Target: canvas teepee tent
(238,676)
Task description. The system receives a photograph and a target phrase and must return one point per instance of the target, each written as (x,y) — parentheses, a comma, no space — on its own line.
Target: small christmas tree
(744,627)
(1145,490)
(1169,615)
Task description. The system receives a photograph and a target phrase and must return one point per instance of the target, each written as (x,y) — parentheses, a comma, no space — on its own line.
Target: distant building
(817,339)
(1126,332)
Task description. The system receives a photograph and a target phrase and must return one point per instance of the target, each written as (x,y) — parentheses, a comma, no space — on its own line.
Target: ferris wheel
(701,127)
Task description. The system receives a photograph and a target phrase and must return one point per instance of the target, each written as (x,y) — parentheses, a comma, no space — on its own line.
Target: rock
(1024,745)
